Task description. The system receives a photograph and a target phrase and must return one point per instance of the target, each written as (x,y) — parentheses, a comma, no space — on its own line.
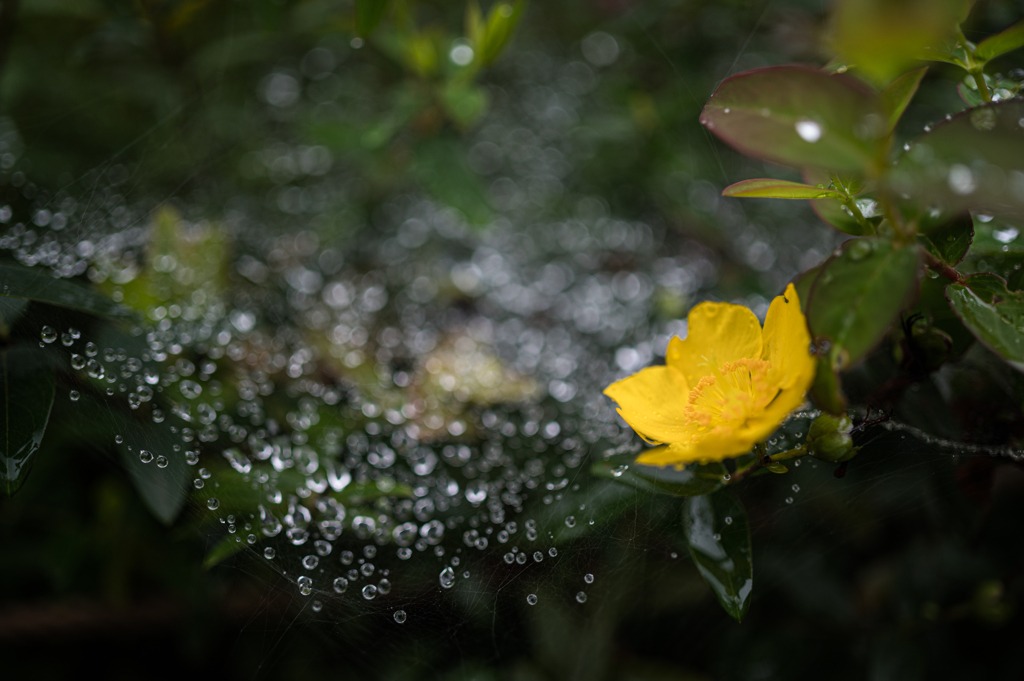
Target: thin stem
(762,459)
(979,78)
(851,204)
(942,268)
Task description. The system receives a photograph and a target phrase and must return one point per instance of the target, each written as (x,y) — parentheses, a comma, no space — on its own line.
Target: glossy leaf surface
(951,241)
(858,294)
(718,538)
(833,212)
(994,315)
(26,398)
(778,189)
(799,117)
(34,284)
(1005,41)
(972,161)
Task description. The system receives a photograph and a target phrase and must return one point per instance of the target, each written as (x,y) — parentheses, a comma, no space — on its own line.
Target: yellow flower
(725,388)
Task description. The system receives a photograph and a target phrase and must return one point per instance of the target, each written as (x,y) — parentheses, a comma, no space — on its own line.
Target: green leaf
(163,490)
(501,23)
(27,398)
(778,189)
(1008,40)
(951,241)
(884,38)
(798,116)
(997,235)
(803,282)
(369,14)
(858,294)
(35,284)
(994,314)
(972,161)
(718,537)
(224,549)
(897,96)
(692,481)
(969,95)
(835,213)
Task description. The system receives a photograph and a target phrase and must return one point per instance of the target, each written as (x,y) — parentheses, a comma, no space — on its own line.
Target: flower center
(728,396)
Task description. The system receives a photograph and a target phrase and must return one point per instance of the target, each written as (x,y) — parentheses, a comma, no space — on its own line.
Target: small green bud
(829,438)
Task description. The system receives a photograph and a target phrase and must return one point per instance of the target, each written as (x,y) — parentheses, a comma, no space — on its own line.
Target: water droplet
(145,456)
(581,597)
(717,537)
(384,587)
(570,521)
(213,503)
(447,578)
(74,395)
(728,520)
(310,562)
(48,334)
(369,592)
(405,553)
(317,606)
(532,599)
(552,552)
(796,488)
(809,131)
(400,616)
(859,249)
(161,461)
(538,556)
(340,585)
(269,553)
(961,180)
(789,500)
(305,585)
(588,578)
(77,361)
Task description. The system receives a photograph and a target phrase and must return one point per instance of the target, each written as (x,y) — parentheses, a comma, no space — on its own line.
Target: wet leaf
(224,549)
(858,294)
(778,189)
(972,161)
(27,398)
(1005,41)
(883,38)
(897,96)
(833,212)
(369,14)
(163,490)
(799,117)
(970,96)
(35,284)
(994,314)
(997,235)
(689,482)
(951,241)
(718,537)
(803,283)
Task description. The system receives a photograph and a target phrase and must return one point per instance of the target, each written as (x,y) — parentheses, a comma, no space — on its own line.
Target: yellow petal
(787,342)
(718,333)
(759,428)
(652,403)
(668,455)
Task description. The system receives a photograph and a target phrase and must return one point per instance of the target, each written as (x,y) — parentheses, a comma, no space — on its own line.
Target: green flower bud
(829,438)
